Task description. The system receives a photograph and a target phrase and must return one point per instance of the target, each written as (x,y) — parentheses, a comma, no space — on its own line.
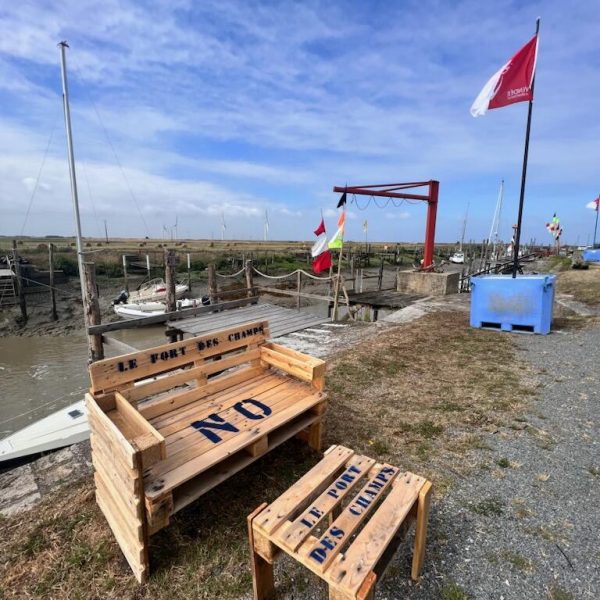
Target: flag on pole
(337,241)
(510,84)
(342,201)
(594,204)
(554,227)
(320,252)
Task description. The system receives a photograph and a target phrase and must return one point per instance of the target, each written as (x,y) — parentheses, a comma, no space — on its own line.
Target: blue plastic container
(591,255)
(523,304)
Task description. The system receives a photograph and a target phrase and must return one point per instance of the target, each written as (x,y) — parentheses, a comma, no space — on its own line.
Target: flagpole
(524,172)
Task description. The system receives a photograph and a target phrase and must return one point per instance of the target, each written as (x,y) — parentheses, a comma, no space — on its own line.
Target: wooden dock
(281,320)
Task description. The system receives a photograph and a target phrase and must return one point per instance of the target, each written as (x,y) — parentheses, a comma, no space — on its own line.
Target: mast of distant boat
(464,228)
(496,221)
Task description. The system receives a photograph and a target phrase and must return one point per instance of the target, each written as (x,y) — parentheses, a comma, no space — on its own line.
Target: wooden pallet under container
(170,423)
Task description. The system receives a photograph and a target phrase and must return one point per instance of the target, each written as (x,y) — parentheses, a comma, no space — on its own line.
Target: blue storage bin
(591,255)
(523,304)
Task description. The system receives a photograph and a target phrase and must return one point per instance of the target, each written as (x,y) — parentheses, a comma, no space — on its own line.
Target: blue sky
(236,107)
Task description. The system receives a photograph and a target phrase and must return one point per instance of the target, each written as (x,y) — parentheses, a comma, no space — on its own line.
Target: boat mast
(464,228)
(63,64)
(496,220)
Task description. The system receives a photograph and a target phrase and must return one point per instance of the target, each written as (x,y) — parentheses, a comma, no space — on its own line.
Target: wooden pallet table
(170,423)
(344,521)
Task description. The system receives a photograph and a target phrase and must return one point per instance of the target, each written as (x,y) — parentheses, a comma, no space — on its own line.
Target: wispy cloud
(225,104)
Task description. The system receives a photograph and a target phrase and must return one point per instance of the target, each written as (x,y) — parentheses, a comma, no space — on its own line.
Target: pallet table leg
(421,530)
(315,435)
(263,583)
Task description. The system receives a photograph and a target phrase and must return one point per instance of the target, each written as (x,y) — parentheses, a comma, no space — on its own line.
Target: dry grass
(584,286)
(421,395)
(417,395)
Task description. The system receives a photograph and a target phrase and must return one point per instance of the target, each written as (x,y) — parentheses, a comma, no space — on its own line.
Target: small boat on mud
(136,310)
(155,290)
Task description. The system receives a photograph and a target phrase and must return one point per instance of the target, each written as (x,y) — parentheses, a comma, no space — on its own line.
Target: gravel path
(526,525)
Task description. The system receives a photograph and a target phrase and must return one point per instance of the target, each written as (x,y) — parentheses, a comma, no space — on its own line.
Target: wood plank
(206,460)
(350,570)
(103,426)
(355,469)
(292,365)
(329,545)
(297,496)
(203,483)
(237,425)
(111,373)
(165,405)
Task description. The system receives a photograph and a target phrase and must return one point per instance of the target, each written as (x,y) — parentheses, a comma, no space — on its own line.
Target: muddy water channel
(41,374)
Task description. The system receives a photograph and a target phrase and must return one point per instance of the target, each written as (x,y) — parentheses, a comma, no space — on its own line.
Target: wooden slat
(350,570)
(113,372)
(294,366)
(206,460)
(181,453)
(355,469)
(175,401)
(321,554)
(103,426)
(300,493)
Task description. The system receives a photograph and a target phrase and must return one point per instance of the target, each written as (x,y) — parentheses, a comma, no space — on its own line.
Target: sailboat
(459,256)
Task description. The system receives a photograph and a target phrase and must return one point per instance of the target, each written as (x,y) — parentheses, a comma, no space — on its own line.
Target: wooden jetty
(281,320)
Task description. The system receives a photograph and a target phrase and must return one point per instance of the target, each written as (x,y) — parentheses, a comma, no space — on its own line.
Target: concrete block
(427,284)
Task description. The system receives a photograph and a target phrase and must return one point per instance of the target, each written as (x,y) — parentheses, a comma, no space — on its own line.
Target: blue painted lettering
(213,421)
(239,406)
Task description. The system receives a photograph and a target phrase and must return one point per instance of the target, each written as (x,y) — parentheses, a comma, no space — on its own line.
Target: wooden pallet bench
(343,520)
(170,423)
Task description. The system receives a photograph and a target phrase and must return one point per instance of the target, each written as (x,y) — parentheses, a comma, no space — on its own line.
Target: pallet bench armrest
(304,367)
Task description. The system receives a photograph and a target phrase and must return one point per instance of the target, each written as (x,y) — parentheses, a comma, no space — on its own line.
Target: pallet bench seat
(170,423)
(343,520)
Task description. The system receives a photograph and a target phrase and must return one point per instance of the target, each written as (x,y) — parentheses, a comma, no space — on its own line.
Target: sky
(197,113)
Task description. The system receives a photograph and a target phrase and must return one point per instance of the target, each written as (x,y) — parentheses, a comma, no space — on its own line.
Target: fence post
(54,314)
(170,262)
(249,278)
(299,287)
(352,272)
(212,284)
(380,276)
(189,270)
(91,306)
(125,272)
(20,288)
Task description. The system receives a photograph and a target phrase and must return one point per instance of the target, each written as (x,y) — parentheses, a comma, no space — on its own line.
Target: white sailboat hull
(62,428)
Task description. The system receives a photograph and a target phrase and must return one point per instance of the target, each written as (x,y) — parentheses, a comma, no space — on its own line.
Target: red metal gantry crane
(391,190)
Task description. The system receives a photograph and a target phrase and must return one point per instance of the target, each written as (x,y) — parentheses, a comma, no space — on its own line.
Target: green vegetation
(453,591)
(490,507)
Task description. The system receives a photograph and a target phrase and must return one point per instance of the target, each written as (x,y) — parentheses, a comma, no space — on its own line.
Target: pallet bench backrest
(235,346)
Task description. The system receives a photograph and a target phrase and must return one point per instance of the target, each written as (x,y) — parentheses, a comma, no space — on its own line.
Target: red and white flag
(594,204)
(512,83)
(320,251)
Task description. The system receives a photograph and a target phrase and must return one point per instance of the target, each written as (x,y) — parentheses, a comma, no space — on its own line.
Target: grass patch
(558,593)
(584,286)
(503,463)
(490,507)
(518,561)
(453,591)
(595,471)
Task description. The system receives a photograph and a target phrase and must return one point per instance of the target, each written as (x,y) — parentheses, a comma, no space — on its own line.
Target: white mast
(464,228)
(63,64)
(496,220)
(266,228)
(223,226)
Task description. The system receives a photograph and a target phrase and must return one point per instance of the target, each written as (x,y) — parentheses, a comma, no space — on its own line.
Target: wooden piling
(299,286)
(170,262)
(380,276)
(91,307)
(54,314)
(20,286)
(249,272)
(212,284)
(189,272)
(125,272)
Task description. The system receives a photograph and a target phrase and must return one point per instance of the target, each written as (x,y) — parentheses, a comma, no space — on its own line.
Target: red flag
(322,262)
(321,228)
(512,83)
(594,204)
